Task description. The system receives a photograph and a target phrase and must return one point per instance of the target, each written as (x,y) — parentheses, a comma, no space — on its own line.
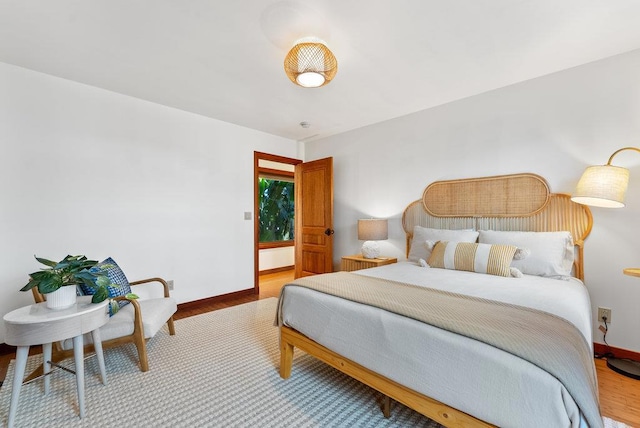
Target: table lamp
(372,230)
(606,186)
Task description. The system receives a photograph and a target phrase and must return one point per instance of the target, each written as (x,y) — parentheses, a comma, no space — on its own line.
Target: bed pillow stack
(551,254)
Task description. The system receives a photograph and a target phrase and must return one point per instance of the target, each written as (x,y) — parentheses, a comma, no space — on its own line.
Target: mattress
(466,374)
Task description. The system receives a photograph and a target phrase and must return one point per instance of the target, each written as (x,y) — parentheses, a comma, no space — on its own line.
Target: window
(276,210)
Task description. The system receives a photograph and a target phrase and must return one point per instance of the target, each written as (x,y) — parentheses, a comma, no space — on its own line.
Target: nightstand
(356,262)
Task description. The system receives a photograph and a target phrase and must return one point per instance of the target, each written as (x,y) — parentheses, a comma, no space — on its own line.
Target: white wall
(87,171)
(553,126)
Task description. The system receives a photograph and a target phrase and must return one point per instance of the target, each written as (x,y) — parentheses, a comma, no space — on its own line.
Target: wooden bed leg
(286,358)
(386,406)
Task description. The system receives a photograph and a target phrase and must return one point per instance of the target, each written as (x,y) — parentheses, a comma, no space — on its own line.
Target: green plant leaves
(69,271)
(34,280)
(131,296)
(49,282)
(100,295)
(102,281)
(115,307)
(276,210)
(46,262)
(86,277)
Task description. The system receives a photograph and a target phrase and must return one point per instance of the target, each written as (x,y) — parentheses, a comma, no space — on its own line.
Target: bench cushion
(155,313)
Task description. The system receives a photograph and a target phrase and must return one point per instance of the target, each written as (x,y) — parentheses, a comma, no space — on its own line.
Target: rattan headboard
(489,203)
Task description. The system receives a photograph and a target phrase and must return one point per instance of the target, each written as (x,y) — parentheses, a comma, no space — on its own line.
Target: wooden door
(314,217)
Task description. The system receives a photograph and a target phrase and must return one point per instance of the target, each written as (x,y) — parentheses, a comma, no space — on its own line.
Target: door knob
(329,231)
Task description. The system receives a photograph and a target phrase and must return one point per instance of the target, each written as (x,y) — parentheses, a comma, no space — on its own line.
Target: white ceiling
(224,58)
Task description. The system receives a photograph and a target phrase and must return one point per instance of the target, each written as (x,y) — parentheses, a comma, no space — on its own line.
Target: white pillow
(419,248)
(551,253)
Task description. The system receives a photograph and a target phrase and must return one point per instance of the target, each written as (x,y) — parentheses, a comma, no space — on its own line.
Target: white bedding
(568,299)
(466,374)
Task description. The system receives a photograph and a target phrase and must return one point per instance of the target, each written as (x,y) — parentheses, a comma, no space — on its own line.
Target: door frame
(257,157)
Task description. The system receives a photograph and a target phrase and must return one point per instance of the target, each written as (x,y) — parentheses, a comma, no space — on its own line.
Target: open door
(314,217)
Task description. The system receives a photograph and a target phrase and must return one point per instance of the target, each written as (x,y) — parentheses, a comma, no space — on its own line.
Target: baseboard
(216,299)
(602,349)
(276,270)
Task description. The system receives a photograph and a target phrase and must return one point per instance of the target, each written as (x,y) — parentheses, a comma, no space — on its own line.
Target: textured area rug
(219,370)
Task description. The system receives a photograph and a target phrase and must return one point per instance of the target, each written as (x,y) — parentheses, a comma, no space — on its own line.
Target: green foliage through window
(276,209)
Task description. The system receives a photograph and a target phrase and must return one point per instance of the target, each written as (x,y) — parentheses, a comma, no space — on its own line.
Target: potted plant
(62,277)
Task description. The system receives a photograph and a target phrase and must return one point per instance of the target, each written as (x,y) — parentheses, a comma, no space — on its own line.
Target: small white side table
(38,325)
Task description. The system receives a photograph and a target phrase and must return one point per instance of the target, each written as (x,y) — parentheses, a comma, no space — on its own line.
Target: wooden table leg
(78,356)
(21,362)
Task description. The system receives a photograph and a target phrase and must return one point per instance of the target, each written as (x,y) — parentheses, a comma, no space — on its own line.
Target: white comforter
(466,374)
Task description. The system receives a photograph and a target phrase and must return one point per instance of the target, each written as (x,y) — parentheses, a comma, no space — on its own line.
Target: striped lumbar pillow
(481,258)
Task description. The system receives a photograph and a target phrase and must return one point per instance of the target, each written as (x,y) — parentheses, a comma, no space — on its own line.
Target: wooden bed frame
(488,203)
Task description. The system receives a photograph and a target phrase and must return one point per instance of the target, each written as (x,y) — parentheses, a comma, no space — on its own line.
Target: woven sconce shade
(310,63)
(604,185)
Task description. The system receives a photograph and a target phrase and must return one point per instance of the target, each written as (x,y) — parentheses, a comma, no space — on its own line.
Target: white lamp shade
(602,186)
(373,229)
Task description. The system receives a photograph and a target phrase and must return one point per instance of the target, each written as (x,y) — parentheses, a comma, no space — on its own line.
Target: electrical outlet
(170,284)
(604,312)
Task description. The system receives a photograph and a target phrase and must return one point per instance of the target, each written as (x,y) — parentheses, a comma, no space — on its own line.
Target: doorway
(274,197)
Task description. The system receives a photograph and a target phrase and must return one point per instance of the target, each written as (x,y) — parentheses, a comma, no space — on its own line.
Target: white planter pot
(62,298)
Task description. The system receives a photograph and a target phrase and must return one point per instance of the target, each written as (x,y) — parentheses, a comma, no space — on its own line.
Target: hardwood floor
(619,395)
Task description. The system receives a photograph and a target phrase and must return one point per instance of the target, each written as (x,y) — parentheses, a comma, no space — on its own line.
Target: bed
(409,337)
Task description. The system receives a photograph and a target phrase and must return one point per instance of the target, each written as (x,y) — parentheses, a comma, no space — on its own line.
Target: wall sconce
(372,230)
(603,185)
(310,63)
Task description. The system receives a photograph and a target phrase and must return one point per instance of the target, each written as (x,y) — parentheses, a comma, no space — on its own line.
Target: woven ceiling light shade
(310,63)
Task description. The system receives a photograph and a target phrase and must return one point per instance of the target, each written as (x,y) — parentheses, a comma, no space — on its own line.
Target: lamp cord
(607,354)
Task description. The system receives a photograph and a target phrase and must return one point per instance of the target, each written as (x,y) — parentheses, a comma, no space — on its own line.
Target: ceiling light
(310,63)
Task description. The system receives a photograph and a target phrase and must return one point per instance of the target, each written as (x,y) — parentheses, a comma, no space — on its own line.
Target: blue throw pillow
(119,283)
